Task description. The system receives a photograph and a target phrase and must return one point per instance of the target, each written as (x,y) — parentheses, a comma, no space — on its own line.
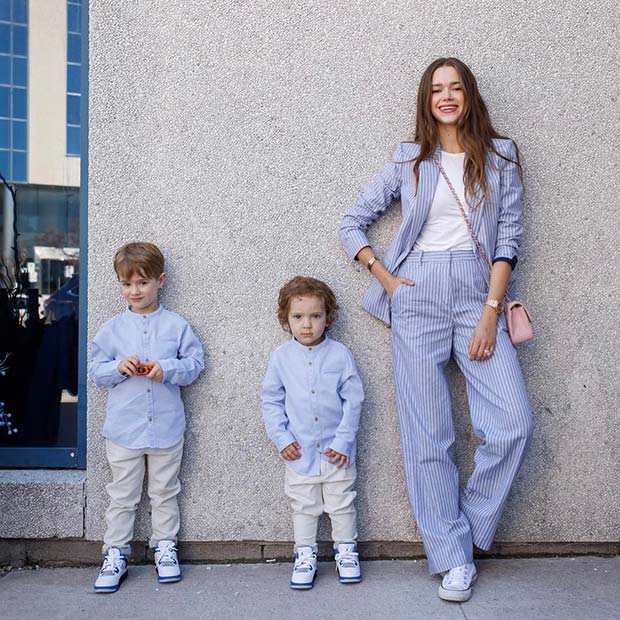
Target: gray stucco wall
(236,134)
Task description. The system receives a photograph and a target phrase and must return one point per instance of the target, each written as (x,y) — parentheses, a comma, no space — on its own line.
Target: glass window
(73,18)
(20,135)
(73,140)
(5,164)
(73,78)
(20,72)
(40,386)
(20,40)
(19,166)
(5,101)
(5,10)
(5,134)
(39,310)
(20,107)
(5,69)
(73,109)
(5,38)
(74,45)
(20,11)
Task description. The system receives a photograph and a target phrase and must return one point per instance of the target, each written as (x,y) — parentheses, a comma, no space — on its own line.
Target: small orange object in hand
(144,368)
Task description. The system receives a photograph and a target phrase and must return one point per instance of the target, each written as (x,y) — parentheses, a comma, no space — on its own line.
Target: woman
(434,289)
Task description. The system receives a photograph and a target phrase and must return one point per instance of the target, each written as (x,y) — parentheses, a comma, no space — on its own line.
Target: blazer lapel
(411,226)
(476,216)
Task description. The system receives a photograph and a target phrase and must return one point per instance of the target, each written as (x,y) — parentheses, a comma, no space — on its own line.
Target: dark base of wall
(79,552)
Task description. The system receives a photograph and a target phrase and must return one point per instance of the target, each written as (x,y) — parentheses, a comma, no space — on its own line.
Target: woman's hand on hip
(482,342)
(394,282)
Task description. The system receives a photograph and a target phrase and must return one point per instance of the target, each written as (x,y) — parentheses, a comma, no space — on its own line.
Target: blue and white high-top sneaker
(113,572)
(167,562)
(348,563)
(304,569)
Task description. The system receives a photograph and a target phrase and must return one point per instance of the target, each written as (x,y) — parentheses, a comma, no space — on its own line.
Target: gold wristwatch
(496,304)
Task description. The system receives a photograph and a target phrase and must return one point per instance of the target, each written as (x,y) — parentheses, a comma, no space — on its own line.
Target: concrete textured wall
(236,134)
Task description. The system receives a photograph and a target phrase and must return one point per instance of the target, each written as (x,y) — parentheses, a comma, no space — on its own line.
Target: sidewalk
(582,588)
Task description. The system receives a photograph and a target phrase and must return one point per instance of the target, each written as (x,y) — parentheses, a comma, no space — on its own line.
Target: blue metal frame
(83,318)
(69,457)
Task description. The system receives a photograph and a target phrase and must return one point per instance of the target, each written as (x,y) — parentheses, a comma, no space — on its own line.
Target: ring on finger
(487,352)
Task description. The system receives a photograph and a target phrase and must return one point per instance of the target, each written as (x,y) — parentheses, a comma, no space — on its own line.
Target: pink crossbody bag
(518,318)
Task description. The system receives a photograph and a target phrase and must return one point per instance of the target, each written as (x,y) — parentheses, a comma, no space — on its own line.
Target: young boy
(143,355)
(312,398)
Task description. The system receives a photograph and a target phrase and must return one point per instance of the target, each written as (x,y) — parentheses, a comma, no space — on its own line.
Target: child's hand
(291,452)
(156,374)
(128,366)
(337,459)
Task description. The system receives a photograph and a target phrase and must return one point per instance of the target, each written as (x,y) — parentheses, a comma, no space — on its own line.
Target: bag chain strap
(481,250)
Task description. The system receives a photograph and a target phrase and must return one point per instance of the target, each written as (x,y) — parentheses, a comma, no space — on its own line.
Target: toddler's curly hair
(300,286)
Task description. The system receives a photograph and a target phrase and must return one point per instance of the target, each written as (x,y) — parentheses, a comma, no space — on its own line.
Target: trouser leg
(307,504)
(339,501)
(124,490)
(163,487)
(500,412)
(422,341)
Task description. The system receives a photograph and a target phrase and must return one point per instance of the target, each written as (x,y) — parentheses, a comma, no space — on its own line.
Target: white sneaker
(304,570)
(457,583)
(167,562)
(113,572)
(347,563)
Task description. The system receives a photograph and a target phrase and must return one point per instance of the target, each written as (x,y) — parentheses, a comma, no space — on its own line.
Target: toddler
(312,398)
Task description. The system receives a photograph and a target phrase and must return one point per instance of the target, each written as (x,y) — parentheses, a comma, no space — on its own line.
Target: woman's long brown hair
(475,131)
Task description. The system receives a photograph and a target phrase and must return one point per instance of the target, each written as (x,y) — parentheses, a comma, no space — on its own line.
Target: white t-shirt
(445,228)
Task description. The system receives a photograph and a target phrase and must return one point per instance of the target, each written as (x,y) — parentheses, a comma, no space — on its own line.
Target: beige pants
(332,492)
(125,490)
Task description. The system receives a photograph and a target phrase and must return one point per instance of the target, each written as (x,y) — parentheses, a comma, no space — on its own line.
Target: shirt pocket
(164,348)
(330,380)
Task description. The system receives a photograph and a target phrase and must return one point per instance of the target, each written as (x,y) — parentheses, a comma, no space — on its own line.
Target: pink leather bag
(518,318)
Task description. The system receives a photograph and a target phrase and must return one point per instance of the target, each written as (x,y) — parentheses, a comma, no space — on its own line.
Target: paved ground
(583,588)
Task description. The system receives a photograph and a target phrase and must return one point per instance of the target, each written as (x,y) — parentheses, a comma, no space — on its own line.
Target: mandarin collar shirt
(312,395)
(142,413)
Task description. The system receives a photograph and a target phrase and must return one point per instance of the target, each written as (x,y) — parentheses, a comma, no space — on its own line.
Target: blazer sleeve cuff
(354,241)
(511,261)
(506,253)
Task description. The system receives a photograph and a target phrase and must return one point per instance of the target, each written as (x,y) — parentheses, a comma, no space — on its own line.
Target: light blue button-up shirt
(142,413)
(314,396)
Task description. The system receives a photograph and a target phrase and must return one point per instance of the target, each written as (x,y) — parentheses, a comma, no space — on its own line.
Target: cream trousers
(128,467)
(332,492)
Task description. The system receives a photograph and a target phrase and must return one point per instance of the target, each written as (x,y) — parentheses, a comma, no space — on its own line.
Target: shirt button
(148,389)
(316,419)
(318,445)
(145,331)
(309,363)
(312,391)
(150,419)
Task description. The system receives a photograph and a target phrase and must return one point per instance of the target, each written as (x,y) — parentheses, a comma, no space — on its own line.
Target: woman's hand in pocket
(391,286)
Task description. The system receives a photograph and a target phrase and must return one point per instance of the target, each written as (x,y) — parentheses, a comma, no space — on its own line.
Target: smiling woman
(430,287)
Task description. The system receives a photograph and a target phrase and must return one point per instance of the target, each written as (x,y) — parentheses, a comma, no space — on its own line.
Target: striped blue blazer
(497,221)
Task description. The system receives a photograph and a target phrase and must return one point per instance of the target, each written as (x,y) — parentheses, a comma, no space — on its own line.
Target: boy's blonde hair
(141,258)
(300,286)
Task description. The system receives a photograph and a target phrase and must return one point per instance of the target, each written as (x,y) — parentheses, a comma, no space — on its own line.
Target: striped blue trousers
(430,321)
